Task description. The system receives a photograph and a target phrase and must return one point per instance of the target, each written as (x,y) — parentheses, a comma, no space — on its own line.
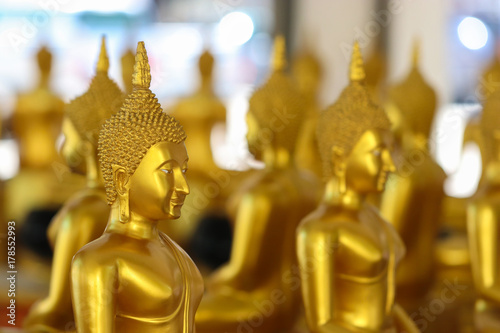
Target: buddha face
(369,162)
(158,187)
(71,148)
(253,136)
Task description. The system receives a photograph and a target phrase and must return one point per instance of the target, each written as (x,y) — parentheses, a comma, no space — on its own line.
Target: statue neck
(93,176)
(276,158)
(206,84)
(493,172)
(44,80)
(137,226)
(350,199)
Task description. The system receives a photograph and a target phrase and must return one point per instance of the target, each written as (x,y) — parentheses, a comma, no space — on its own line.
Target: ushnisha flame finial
(103,62)
(356,69)
(141,79)
(279,54)
(416,52)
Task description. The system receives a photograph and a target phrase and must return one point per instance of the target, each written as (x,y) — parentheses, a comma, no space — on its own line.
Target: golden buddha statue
(134,278)
(83,217)
(348,254)
(128,61)
(258,289)
(199,113)
(413,197)
(483,221)
(36,124)
(306,71)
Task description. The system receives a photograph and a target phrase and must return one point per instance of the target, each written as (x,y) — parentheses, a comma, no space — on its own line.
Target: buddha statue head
(44,59)
(86,114)
(415,101)
(142,154)
(206,66)
(127,61)
(306,70)
(354,136)
(275,112)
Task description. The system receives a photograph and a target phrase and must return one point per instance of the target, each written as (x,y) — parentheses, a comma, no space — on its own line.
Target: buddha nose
(388,161)
(181,185)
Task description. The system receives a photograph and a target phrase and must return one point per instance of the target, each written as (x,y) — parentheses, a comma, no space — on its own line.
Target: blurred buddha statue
(489,82)
(376,71)
(307,73)
(127,62)
(199,114)
(414,194)
(348,254)
(134,278)
(41,184)
(483,223)
(83,217)
(258,289)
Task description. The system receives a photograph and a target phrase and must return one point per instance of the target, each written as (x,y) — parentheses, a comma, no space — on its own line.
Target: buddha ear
(120,178)
(339,166)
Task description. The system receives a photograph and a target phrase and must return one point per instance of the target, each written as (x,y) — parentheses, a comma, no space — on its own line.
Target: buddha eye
(376,152)
(167,171)
(184,170)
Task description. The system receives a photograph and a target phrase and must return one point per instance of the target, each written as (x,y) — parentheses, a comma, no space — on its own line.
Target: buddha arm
(395,202)
(73,233)
(94,303)
(316,252)
(252,215)
(483,228)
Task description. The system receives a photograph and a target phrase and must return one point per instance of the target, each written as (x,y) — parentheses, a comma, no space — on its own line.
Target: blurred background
(458,39)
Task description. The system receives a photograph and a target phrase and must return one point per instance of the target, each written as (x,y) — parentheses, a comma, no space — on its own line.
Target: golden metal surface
(413,197)
(483,223)
(134,278)
(348,254)
(83,217)
(258,289)
(199,114)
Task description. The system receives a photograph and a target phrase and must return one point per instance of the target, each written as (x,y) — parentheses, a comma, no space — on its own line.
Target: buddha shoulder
(345,241)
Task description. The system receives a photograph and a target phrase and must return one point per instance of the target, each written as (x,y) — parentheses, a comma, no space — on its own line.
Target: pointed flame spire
(416,52)
(141,79)
(356,70)
(103,62)
(279,54)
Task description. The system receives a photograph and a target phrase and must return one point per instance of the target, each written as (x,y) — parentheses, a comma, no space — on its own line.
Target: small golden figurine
(414,194)
(36,123)
(348,254)
(134,278)
(83,217)
(483,224)
(259,288)
(199,113)
(306,71)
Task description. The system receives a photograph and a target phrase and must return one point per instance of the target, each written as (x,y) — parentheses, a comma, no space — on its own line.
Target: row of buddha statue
(335,234)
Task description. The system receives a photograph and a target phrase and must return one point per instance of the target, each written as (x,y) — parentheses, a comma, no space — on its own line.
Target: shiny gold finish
(258,289)
(42,182)
(83,217)
(413,199)
(347,252)
(199,114)
(134,278)
(306,71)
(482,223)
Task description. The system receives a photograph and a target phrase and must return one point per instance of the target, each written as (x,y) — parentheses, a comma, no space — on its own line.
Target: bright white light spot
(472,33)
(235,29)
(463,183)
(9,159)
